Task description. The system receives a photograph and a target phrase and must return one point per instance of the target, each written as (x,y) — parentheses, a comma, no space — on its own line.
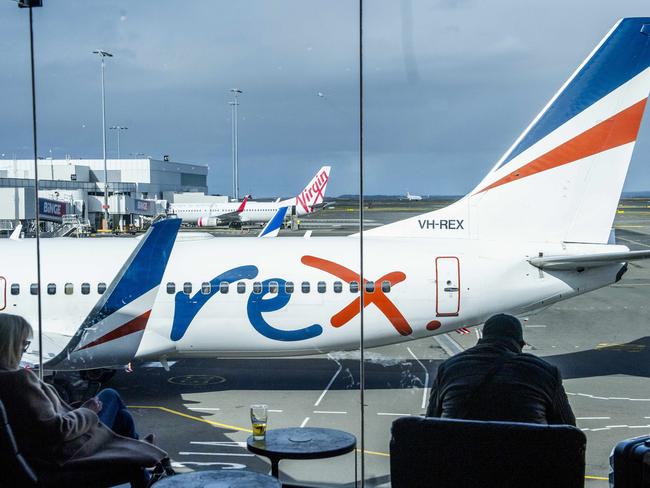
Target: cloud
(448,84)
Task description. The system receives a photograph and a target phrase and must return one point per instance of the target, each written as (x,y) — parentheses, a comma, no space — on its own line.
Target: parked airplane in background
(533,232)
(307,201)
(413,198)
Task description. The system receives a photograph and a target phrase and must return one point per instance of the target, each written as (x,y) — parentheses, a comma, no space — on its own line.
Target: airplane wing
(111,333)
(233,216)
(573,262)
(273,226)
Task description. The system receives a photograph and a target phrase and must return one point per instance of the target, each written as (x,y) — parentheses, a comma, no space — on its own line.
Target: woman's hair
(14,331)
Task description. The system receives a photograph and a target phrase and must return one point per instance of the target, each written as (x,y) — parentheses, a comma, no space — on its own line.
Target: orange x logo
(377,297)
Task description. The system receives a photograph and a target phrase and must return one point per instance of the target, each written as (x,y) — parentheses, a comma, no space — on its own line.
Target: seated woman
(100,433)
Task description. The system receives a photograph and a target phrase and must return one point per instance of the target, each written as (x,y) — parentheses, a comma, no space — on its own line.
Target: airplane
(309,200)
(413,198)
(534,231)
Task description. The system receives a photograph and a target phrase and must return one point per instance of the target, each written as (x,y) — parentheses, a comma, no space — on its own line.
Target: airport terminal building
(138,189)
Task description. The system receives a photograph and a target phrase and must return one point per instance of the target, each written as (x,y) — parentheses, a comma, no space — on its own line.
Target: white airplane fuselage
(436,285)
(208,215)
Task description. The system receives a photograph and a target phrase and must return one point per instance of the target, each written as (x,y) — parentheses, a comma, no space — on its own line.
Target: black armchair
(16,472)
(450,453)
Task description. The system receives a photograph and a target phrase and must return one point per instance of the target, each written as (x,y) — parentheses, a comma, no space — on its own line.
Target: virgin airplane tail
(562,178)
(313,195)
(111,333)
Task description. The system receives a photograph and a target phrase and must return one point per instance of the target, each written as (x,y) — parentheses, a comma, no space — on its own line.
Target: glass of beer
(259,417)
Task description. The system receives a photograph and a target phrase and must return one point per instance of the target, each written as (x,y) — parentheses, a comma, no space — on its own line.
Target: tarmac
(199,410)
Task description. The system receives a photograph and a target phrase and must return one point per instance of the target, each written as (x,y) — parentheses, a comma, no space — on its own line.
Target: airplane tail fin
(314,193)
(273,226)
(111,333)
(562,178)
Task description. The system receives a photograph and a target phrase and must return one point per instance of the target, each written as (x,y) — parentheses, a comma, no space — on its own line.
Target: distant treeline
(395,197)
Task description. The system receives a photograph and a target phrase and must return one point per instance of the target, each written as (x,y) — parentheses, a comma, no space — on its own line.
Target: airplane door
(447,286)
(3,293)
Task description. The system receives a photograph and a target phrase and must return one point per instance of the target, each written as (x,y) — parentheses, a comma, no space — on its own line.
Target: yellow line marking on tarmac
(375,453)
(226,426)
(192,417)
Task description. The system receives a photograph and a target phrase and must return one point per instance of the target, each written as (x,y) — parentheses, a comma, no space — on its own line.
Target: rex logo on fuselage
(186,307)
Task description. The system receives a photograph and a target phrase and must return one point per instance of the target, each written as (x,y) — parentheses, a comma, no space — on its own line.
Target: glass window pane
(338,287)
(15,289)
(288,287)
(101,288)
(241,287)
(321,286)
(33,288)
(273,286)
(385,286)
(370,286)
(68,288)
(354,287)
(51,289)
(224,286)
(305,287)
(257,287)
(206,288)
(171,288)
(187,288)
(85,288)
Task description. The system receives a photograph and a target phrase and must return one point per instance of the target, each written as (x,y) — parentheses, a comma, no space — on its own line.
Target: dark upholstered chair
(450,453)
(16,472)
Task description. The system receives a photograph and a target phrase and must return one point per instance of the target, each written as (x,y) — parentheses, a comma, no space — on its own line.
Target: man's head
(504,327)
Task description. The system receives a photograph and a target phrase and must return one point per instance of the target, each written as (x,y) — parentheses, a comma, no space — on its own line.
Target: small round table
(301,443)
(222,479)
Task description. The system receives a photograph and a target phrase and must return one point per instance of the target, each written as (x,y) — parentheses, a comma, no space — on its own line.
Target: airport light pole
(104,54)
(30,4)
(119,129)
(235,141)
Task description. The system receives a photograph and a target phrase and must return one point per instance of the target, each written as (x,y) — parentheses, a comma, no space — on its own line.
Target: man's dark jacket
(524,389)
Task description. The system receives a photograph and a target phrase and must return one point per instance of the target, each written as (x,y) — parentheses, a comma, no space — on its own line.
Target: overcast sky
(449,84)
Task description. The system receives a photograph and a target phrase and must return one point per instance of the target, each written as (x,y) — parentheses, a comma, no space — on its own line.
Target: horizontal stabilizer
(574,262)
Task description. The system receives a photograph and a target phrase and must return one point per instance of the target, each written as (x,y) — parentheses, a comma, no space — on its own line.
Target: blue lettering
(187,307)
(258,305)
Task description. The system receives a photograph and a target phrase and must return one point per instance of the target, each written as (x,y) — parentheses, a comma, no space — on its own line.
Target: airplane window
(171,288)
(273,286)
(322,287)
(257,287)
(385,286)
(187,287)
(33,289)
(101,288)
(68,289)
(354,287)
(206,288)
(288,287)
(241,287)
(338,287)
(305,287)
(15,289)
(224,286)
(85,288)
(51,289)
(370,286)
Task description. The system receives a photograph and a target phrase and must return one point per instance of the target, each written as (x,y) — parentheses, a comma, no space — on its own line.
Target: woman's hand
(93,404)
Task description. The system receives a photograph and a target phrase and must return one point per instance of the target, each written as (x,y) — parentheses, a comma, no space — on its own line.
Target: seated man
(494,380)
